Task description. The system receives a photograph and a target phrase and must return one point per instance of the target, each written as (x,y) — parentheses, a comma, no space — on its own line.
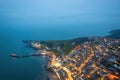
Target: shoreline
(94,51)
(51,73)
(82,51)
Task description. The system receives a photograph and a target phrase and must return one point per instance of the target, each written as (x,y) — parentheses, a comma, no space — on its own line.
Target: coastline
(91,47)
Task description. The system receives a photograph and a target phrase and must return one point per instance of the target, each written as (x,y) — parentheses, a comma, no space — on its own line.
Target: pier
(29,55)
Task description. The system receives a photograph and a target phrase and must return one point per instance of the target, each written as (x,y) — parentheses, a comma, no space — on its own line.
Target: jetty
(17,56)
(39,53)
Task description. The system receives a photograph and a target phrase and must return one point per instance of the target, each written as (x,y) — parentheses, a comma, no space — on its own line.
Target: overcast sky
(31,12)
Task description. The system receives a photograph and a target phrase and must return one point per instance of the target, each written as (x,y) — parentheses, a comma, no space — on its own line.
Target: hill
(65,46)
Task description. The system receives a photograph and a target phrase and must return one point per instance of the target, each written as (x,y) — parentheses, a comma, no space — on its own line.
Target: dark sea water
(33,68)
(20,69)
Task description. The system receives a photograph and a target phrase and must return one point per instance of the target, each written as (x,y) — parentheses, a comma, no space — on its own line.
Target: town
(96,59)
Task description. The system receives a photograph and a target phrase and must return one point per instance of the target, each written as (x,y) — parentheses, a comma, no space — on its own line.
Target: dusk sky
(60,11)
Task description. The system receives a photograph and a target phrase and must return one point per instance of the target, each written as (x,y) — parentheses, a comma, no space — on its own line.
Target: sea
(33,68)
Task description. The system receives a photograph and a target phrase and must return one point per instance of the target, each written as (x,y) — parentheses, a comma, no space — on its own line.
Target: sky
(60,13)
